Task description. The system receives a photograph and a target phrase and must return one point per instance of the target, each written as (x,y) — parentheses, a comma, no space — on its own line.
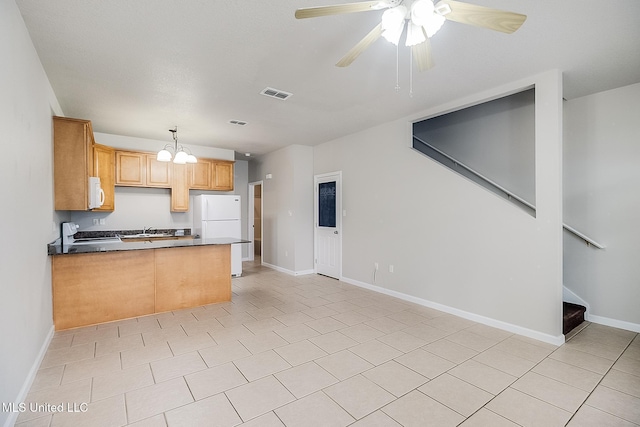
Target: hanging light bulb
(180,158)
(164,155)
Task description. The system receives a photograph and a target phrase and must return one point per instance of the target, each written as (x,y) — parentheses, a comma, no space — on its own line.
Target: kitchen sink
(95,240)
(145,235)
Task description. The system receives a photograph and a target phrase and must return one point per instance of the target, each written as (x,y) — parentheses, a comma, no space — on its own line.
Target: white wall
(452,242)
(602,200)
(29,223)
(287,216)
(496,139)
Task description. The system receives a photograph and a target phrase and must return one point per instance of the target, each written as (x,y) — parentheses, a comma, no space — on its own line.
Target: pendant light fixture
(181,156)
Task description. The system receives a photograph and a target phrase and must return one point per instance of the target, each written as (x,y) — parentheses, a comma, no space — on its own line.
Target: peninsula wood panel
(190,277)
(102,287)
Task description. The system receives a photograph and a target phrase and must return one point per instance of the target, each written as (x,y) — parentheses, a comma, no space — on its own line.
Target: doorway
(328,224)
(255,221)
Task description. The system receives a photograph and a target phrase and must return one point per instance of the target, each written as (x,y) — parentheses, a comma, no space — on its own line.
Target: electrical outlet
(391,268)
(376,266)
(96,221)
(103,221)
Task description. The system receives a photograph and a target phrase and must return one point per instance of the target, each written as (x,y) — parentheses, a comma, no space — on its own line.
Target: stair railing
(500,189)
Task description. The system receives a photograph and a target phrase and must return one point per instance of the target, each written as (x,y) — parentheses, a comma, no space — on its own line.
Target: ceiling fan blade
(422,55)
(338,9)
(360,47)
(480,16)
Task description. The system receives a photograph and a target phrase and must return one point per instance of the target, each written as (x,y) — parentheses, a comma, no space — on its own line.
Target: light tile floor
(313,351)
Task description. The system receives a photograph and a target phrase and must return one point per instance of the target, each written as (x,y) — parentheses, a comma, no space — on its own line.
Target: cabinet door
(179,189)
(200,175)
(222,179)
(158,173)
(104,168)
(72,163)
(130,168)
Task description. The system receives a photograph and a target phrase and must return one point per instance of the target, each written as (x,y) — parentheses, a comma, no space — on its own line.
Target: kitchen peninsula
(97,283)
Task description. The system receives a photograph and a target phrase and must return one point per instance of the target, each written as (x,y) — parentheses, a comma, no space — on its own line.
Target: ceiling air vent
(275,93)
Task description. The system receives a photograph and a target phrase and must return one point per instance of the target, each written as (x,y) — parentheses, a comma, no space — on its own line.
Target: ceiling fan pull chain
(397,70)
(410,75)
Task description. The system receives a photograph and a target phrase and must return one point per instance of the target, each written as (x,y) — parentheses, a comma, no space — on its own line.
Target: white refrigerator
(219,216)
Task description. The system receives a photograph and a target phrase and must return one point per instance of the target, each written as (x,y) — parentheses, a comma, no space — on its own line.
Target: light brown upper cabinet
(200,175)
(209,174)
(158,173)
(179,188)
(72,163)
(222,177)
(139,169)
(104,168)
(131,168)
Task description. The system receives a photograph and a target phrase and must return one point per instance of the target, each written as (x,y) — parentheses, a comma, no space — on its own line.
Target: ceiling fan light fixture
(443,9)
(421,11)
(393,23)
(415,35)
(424,14)
(433,24)
(393,35)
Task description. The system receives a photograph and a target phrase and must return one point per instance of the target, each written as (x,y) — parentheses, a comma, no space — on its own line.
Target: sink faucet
(146,230)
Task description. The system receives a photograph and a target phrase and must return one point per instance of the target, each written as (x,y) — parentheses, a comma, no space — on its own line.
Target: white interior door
(328,224)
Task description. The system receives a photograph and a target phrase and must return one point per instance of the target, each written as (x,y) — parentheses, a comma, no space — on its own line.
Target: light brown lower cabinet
(105,286)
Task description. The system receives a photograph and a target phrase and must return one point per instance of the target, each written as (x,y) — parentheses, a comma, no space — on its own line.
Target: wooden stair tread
(572,316)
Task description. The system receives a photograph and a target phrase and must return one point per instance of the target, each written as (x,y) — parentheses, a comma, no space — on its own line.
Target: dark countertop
(56,249)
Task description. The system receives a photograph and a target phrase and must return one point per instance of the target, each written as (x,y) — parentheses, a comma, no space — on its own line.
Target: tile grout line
(603,377)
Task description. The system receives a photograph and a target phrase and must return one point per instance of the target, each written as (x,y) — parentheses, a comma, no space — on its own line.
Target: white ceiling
(139,68)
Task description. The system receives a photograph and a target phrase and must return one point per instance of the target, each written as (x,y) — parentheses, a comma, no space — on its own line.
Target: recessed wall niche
(492,144)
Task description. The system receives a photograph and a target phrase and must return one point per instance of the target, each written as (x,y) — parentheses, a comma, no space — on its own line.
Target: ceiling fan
(423,20)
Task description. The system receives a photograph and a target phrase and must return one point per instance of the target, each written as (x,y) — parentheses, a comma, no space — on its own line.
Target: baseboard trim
(28,382)
(614,323)
(555,340)
(286,271)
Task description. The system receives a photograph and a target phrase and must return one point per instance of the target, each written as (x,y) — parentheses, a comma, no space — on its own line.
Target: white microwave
(96,194)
